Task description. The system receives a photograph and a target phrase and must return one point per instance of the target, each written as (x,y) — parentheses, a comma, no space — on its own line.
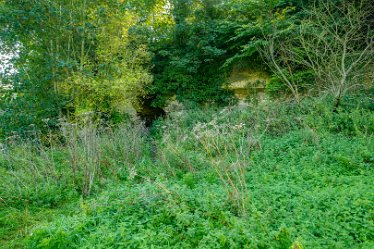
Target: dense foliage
(270,176)
(186,124)
(106,57)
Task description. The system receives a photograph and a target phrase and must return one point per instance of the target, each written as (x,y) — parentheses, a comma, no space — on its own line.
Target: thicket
(79,170)
(267,176)
(77,57)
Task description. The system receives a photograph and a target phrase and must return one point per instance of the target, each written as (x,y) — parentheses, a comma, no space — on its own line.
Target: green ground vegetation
(270,175)
(120,128)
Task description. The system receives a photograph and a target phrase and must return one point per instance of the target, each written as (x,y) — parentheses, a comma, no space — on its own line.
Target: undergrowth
(271,175)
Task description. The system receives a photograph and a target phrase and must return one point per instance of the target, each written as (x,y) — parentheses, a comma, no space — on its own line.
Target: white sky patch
(6,65)
(167,8)
(6,57)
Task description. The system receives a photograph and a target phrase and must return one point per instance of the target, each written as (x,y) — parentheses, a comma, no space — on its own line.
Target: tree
(337,43)
(188,64)
(74,56)
(334,40)
(278,33)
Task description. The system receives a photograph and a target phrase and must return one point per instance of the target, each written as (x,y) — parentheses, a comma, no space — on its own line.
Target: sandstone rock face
(248,81)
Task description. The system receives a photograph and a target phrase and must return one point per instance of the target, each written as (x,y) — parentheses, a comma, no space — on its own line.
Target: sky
(6,67)
(5,62)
